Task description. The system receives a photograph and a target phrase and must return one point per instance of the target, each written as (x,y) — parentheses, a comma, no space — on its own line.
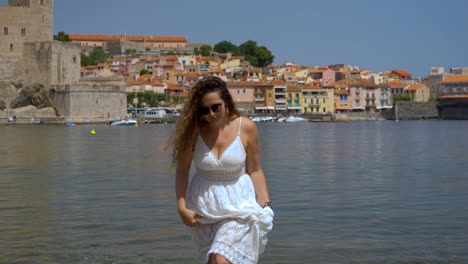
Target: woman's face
(212,108)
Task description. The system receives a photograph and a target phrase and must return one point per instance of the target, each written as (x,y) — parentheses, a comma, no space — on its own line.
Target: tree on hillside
(226,46)
(62,36)
(248,49)
(204,50)
(257,56)
(263,56)
(98,55)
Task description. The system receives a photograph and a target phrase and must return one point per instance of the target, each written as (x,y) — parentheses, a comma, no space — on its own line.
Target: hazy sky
(373,34)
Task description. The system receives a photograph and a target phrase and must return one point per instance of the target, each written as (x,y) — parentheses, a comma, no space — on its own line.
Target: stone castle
(40,77)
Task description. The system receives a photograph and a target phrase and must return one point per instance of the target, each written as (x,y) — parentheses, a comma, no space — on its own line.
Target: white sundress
(233,224)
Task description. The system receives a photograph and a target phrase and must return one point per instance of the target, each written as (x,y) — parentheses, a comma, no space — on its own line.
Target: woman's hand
(188,217)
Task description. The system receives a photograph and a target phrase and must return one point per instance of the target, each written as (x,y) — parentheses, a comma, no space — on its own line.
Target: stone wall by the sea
(412,111)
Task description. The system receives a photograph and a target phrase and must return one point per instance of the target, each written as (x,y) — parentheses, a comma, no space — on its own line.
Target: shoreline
(339,118)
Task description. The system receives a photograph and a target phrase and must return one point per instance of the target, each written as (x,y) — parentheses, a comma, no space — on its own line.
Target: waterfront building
(384,96)
(279,88)
(365,95)
(396,87)
(418,92)
(342,95)
(342,102)
(455,85)
(294,99)
(243,95)
(264,97)
(317,100)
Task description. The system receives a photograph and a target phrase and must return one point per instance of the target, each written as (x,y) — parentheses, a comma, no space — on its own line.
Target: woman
(226,204)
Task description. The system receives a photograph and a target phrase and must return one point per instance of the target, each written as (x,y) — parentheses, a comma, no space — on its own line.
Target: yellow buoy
(92,132)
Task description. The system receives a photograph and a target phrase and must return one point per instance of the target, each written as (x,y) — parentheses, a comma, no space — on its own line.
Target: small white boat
(129,122)
(295,119)
(263,119)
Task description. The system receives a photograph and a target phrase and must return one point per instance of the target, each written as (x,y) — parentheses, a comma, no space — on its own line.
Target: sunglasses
(204,110)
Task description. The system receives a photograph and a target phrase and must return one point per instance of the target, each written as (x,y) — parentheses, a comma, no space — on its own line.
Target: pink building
(243,95)
(325,76)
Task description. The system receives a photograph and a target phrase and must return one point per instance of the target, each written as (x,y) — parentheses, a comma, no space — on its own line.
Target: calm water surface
(363,192)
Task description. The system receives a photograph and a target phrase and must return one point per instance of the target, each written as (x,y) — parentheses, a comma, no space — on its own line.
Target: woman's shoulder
(248,125)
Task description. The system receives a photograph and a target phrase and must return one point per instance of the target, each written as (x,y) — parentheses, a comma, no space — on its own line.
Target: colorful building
(317,100)
(294,99)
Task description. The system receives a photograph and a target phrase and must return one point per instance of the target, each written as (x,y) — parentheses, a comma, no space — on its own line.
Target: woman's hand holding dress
(188,217)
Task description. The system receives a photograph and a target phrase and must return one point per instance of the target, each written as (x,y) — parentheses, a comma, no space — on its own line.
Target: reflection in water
(343,192)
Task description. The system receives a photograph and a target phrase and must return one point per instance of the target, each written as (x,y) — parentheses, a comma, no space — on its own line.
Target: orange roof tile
(311,87)
(91,37)
(293,88)
(413,87)
(456,79)
(278,82)
(401,72)
(174,87)
(242,84)
(453,96)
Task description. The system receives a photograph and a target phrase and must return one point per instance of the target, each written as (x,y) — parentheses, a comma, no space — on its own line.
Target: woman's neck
(218,125)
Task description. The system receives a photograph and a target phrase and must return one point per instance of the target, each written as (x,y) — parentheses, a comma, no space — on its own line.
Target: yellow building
(418,92)
(264,98)
(294,98)
(317,100)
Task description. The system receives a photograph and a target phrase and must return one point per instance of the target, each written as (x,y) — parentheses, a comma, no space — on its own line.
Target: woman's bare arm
(254,169)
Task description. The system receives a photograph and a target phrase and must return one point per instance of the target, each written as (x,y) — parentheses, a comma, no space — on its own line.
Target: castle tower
(25,21)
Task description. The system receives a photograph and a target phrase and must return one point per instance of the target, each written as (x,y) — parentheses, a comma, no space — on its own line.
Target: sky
(372,34)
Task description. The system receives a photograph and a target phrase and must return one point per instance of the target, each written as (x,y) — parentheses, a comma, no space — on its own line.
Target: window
(42,2)
(11,47)
(5,31)
(74,59)
(23,31)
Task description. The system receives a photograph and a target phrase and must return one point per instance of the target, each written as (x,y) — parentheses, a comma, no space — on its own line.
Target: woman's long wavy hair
(186,129)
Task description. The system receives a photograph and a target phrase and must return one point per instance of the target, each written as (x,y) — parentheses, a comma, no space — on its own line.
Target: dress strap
(240,124)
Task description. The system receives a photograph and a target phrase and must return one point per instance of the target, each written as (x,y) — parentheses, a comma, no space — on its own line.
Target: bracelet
(267,204)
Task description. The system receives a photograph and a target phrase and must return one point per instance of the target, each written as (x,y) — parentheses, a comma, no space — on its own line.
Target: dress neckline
(224,152)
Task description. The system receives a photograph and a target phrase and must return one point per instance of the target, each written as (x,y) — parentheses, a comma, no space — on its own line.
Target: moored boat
(129,122)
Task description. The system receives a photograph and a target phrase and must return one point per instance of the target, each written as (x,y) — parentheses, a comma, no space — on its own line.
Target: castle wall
(10,67)
(97,97)
(52,62)
(29,22)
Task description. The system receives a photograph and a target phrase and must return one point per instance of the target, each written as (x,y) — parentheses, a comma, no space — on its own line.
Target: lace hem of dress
(231,254)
